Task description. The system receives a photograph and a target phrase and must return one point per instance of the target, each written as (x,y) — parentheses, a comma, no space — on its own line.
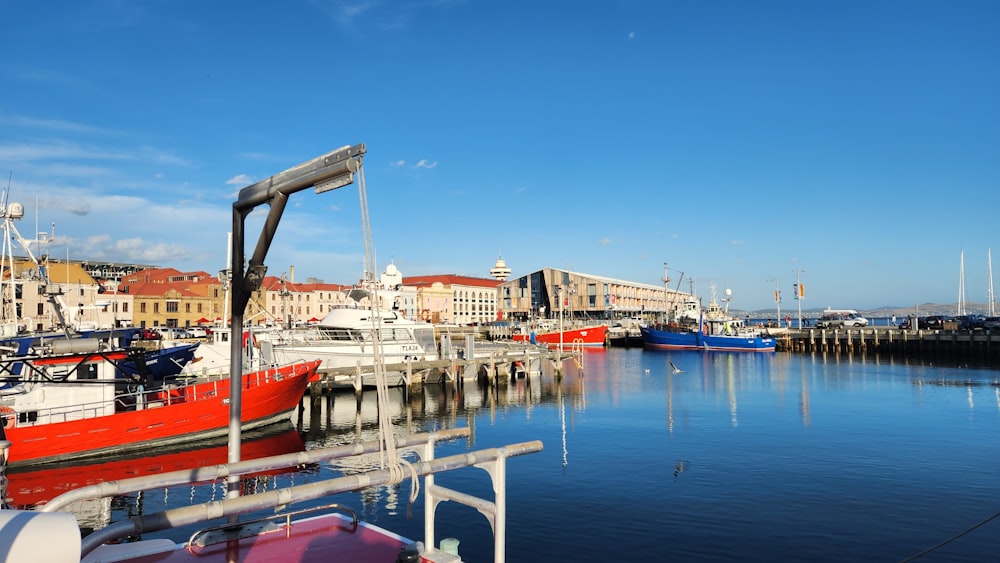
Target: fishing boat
(79,404)
(549,334)
(159,363)
(715,330)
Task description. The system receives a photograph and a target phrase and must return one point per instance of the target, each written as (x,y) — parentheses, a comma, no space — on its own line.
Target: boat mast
(666,282)
(961,283)
(990,299)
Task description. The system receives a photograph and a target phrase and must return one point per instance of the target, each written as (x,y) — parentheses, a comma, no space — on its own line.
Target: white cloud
(424,164)
(239,180)
(631,35)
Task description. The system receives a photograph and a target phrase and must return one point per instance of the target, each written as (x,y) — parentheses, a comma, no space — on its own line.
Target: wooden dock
(983,344)
(496,363)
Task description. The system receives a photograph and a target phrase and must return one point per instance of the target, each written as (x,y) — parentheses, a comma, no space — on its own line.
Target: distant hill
(884,311)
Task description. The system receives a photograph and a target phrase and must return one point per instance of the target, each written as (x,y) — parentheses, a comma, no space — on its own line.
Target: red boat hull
(587,337)
(174,415)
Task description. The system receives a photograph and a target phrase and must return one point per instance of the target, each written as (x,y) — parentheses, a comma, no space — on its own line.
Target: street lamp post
(800,292)
(559,297)
(777,297)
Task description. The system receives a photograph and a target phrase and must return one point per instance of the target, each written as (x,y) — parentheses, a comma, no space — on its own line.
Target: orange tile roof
(451,279)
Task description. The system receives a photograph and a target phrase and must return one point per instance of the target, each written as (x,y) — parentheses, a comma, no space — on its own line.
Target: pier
(492,362)
(979,344)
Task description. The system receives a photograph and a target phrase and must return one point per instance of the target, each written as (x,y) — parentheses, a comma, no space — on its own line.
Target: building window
(156,308)
(142,307)
(125,307)
(173,306)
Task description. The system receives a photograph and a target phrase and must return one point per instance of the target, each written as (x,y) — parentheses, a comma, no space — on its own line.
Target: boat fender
(9,416)
(408,554)
(26,535)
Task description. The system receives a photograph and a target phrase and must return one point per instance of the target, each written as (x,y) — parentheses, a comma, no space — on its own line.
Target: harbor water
(741,457)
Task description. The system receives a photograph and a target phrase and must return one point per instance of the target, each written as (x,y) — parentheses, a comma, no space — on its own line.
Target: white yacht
(346,337)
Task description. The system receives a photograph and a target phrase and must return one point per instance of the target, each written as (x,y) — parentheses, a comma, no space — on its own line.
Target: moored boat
(346,338)
(590,336)
(77,405)
(716,330)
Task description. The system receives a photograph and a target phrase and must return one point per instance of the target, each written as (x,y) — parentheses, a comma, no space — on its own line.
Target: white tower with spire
(500,270)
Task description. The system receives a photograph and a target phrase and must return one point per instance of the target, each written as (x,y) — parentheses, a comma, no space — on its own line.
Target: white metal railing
(492,460)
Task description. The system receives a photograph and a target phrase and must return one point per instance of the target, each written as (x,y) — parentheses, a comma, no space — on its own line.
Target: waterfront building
(169,298)
(68,292)
(546,292)
(455,299)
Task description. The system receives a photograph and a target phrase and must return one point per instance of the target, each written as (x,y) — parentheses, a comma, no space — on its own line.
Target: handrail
(235,506)
(196,539)
(220,471)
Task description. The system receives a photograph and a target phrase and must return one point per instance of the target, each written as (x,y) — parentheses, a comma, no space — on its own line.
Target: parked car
(936,322)
(149,334)
(197,331)
(839,318)
(970,322)
(172,333)
(991,323)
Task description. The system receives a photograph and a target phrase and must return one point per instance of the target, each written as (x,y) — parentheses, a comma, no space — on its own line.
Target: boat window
(87,371)
(424,337)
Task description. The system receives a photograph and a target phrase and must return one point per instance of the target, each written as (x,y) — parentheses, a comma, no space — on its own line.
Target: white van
(840,318)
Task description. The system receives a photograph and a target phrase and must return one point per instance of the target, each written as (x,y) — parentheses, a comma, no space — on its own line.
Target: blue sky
(739,142)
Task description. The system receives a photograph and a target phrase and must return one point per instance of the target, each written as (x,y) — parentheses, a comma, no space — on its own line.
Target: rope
(951,539)
(389,458)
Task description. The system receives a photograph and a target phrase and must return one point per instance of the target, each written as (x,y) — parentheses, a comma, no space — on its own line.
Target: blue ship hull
(658,339)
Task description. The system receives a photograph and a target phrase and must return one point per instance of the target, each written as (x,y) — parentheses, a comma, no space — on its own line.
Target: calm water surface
(743,457)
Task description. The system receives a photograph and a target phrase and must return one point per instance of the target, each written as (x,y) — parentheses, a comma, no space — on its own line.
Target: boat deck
(304,541)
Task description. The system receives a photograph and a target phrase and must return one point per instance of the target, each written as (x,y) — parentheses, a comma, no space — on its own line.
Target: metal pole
(330,171)
(800,293)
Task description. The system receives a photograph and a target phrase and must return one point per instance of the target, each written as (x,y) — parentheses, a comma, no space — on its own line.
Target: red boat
(71,406)
(592,336)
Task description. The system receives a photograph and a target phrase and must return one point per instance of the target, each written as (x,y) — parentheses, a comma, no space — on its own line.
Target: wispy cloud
(425,164)
(239,180)
(51,124)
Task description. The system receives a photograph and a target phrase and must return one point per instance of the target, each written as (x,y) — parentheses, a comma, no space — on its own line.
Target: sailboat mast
(961,283)
(990,299)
